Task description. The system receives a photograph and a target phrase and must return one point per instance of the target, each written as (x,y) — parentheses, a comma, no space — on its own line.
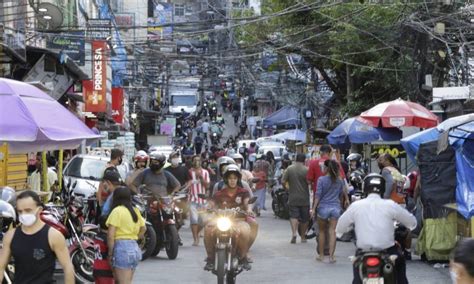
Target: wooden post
(60,170)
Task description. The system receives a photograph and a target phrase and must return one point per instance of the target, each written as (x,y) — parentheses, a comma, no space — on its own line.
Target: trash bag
(437,238)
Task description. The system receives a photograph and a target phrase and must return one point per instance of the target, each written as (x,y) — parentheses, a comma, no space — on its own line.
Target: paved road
(275,261)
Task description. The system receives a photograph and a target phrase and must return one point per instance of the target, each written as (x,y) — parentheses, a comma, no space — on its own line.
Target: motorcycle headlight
(223,224)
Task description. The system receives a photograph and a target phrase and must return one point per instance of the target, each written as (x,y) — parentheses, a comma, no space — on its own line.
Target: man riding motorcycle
(140,162)
(232,196)
(373,219)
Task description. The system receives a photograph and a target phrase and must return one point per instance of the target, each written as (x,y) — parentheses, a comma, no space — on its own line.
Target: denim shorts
(127,254)
(329,212)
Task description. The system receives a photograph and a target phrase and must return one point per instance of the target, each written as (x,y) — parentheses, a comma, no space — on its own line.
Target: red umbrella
(399,113)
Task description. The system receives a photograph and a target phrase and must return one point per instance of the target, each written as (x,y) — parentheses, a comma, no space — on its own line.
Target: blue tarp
(461,138)
(284,116)
(294,134)
(354,130)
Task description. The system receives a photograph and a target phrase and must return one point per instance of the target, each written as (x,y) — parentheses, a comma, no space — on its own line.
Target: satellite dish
(49,16)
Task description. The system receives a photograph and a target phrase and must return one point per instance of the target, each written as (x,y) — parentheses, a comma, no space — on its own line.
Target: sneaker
(209,265)
(310,236)
(245,264)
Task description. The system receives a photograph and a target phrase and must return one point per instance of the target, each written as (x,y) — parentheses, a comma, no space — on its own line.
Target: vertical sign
(117,105)
(95,96)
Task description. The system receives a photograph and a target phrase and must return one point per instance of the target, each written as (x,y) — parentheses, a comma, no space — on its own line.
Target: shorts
(299,212)
(127,254)
(329,212)
(195,217)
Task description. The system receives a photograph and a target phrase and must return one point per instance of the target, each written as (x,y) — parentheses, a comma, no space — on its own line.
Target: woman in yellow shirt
(125,226)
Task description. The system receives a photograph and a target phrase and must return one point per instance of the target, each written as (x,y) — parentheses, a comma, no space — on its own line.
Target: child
(102,270)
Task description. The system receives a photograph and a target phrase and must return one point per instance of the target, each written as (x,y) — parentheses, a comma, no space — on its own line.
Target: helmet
(237,156)
(356,179)
(374,183)
(141,156)
(8,194)
(155,155)
(222,161)
(7,210)
(354,157)
(232,169)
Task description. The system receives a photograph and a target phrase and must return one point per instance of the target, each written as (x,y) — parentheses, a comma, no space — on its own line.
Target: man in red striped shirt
(197,185)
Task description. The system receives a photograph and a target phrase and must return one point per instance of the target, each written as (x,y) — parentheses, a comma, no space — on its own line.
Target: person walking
(125,226)
(34,245)
(260,172)
(298,196)
(198,184)
(198,142)
(205,129)
(327,207)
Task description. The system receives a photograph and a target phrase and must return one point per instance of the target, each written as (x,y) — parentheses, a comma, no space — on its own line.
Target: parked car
(85,172)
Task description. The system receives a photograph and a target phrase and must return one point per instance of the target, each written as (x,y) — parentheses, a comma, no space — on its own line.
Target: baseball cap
(111,174)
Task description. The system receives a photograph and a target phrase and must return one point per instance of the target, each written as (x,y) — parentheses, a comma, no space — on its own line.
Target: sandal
(319,258)
(332,259)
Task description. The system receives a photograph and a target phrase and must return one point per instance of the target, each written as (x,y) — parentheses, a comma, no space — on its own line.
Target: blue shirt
(107,207)
(329,192)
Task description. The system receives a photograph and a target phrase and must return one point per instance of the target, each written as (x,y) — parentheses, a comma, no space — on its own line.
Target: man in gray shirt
(298,196)
(158,181)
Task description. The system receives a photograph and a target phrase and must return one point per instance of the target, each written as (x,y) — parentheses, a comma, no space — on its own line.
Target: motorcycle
(280,203)
(227,265)
(375,267)
(66,219)
(148,243)
(161,214)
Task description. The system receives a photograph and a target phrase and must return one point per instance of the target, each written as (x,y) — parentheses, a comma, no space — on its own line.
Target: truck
(183,93)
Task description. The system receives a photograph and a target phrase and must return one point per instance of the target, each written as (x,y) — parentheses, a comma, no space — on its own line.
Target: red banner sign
(117,105)
(95,95)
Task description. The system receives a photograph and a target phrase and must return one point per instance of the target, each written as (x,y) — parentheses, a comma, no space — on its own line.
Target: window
(179,9)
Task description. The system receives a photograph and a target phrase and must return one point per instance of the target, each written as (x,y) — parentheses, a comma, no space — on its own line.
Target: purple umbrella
(30,120)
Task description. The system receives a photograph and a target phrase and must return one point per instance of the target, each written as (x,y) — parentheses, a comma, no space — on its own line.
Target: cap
(111,174)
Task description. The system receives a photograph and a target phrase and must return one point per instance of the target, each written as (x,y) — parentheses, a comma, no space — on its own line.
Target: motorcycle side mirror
(252,200)
(202,195)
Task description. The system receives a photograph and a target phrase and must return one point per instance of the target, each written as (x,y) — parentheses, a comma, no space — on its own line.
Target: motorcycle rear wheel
(83,265)
(172,244)
(231,278)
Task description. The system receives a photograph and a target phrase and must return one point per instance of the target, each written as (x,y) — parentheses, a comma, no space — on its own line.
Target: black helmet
(155,155)
(356,179)
(374,183)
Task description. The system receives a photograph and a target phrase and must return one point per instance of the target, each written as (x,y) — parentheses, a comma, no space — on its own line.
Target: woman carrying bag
(328,205)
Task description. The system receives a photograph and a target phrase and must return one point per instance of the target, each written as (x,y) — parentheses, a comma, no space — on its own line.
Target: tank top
(34,260)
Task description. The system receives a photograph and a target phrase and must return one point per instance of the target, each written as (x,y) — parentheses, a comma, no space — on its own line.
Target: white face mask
(175,161)
(27,219)
(239,165)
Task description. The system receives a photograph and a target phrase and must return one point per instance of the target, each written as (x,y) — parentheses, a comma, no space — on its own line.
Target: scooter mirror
(252,200)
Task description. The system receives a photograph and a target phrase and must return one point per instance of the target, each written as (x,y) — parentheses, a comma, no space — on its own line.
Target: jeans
(127,254)
(261,197)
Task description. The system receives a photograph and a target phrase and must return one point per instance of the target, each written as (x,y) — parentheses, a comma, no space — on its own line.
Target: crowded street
(236,141)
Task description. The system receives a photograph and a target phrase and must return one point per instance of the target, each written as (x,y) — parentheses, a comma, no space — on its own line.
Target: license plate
(373,281)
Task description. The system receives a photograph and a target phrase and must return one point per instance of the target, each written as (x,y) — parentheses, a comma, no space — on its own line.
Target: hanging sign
(95,96)
(117,105)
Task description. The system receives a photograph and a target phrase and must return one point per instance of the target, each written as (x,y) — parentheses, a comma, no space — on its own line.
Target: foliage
(371,41)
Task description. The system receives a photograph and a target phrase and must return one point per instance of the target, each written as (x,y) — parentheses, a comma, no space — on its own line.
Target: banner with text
(96,96)
(117,105)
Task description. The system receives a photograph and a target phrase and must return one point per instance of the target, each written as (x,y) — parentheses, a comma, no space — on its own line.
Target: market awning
(284,116)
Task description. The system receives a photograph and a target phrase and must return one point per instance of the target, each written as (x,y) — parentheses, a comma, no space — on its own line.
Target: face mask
(454,276)
(239,165)
(27,219)
(156,167)
(175,161)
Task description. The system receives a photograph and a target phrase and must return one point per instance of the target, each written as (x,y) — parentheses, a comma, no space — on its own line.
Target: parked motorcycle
(66,219)
(227,265)
(375,267)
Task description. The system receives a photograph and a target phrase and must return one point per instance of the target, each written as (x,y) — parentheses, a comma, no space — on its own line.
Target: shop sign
(93,102)
(70,44)
(117,105)
(396,150)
